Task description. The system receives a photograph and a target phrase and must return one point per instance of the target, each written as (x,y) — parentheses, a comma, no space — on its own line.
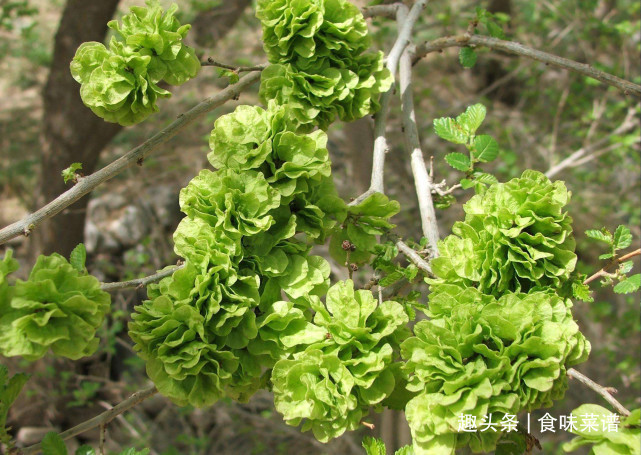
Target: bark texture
(71,132)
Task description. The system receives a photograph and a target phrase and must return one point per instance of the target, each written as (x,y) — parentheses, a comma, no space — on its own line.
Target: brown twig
(615,262)
(100,419)
(510,47)
(87,184)
(103,435)
(237,69)
(388,11)
(603,391)
(140,282)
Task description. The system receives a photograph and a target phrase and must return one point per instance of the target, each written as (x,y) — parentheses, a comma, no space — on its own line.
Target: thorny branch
(605,392)
(100,420)
(510,47)
(87,184)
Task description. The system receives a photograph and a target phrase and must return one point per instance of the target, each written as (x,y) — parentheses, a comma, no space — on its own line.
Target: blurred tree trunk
(214,24)
(493,71)
(71,133)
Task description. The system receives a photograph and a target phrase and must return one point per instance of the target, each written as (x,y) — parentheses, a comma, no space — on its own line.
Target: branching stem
(100,420)
(603,391)
(605,270)
(87,184)
(422,179)
(237,69)
(510,47)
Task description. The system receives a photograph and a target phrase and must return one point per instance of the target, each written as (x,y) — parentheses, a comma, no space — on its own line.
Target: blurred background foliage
(540,115)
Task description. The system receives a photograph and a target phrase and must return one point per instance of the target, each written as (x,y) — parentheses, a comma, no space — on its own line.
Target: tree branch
(422,179)
(510,47)
(590,152)
(388,11)
(86,184)
(603,391)
(238,69)
(413,256)
(100,420)
(611,265)
(140,282)
(406,23)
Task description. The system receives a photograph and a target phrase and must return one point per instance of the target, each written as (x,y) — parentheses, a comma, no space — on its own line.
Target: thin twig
(100,419)
(237,69)
(103,431)
(388,11)
(413,256)
(140,282)
(588,153)
(603,391)
(437,188)
(555,125)
(605,270)
(510,47)
(422,180)
(87,184)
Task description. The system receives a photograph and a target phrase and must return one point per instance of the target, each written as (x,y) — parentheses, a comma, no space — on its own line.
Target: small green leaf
(52,444)
(630,284)
(606,256)
(472,118)
(458,161)
(467,183)
(484,177)
(70,172)
(85,450)
(443,202)
(391,278)
(467,56)
(373,446)
(449,130)
(78,257)
(232,75)
(626,267)
(603,235)
(582,292)
(486,148)
(622,237)
(494,30)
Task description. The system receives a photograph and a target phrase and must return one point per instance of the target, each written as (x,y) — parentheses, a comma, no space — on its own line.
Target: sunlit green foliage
(120,83)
